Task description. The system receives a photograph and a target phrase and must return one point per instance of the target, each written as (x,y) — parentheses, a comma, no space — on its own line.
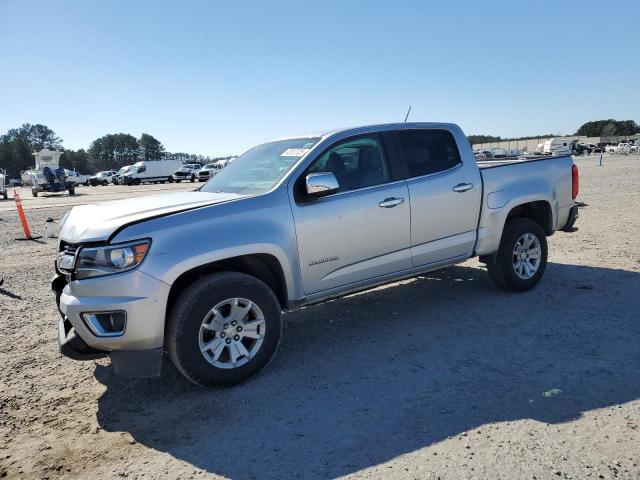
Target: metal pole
(600,158)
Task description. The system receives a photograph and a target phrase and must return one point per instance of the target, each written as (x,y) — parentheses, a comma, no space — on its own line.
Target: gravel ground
(443,376)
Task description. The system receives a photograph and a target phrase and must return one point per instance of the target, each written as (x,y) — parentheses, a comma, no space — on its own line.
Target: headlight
(99,261)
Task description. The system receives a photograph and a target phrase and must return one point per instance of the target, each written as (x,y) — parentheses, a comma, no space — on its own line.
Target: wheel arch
(263,266)
(539,211)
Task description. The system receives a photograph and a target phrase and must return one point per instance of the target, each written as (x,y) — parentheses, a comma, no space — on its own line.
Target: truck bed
(500,162)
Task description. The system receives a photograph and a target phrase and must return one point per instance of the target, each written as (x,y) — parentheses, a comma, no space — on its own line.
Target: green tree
(18,145)
(610,127)
(112,151)
(150,147)
(76,160)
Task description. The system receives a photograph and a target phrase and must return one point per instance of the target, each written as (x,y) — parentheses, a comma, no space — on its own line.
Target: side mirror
(321,184)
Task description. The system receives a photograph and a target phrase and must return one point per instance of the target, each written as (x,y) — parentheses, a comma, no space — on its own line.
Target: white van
(151,171)
(557,146)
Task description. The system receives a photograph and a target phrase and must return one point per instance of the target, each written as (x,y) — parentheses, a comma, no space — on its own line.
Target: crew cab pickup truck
(205,275)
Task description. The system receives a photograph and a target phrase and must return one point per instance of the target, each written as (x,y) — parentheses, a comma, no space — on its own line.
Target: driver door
(363,230)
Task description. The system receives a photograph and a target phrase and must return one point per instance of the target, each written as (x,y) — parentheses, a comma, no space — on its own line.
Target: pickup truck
(205,275)
(77,178)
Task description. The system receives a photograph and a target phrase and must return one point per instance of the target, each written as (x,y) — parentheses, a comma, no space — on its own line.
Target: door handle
(391,202)
(463,187)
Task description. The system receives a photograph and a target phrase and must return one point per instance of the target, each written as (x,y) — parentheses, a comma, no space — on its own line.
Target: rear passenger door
(445,196)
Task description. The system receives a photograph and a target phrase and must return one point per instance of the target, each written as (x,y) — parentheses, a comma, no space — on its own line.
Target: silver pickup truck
(205,275)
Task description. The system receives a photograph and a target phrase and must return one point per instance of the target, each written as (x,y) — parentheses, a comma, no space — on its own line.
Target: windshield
(259,169)
(123,170)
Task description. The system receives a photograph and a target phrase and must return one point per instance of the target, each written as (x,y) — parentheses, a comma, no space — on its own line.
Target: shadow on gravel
(9,294)
(361,380)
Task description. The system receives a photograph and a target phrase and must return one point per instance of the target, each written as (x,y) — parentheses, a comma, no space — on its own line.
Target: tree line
(597,128)
(109,152)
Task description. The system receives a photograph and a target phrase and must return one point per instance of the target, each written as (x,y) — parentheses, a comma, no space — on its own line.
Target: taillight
(575,182)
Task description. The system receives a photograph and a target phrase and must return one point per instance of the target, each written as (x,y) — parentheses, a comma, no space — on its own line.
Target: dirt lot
(443,376)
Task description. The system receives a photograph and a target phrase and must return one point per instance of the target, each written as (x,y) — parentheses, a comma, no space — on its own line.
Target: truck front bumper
(137,349)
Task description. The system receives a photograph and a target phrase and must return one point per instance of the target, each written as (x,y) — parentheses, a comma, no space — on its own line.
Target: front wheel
(521,258)
(223,329)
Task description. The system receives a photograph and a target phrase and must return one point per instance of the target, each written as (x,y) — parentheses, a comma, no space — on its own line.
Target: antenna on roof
(407,116)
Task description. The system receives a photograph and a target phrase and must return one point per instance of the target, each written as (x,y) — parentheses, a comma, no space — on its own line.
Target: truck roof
(379,127)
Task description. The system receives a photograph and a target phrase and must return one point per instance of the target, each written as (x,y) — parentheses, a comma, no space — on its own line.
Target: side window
(356,163)
(142,169)
(428,151)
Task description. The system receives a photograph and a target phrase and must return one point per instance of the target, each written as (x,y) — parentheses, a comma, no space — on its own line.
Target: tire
(185,333)
(178,181)
(105,183)
(170,179)
(193,179)
(502,265)
(72,191)
(34,192)
(137,181)
(4,195)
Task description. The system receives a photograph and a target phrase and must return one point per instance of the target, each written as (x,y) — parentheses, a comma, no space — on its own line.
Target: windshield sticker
(294,152)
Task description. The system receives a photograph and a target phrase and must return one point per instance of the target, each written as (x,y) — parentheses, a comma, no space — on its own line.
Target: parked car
(513,152)
(15,182)
(483,154)
(188,171)
(210,169)
(593,148)
(293,222)
(499,153)
(117,178)
(77,178)
(103,178)
(620,149)
(151,171)
(579,149)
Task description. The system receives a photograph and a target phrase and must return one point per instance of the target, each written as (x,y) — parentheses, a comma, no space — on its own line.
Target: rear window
(428,151)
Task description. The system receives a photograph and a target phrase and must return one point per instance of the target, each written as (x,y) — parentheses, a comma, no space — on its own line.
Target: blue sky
(218,77)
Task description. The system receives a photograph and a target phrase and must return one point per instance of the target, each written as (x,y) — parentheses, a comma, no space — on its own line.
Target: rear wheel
(137,181)
(34,192)
(223,329)
(170,179)
(521,258)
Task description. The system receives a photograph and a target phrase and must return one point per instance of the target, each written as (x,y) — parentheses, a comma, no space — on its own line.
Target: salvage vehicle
(117,178)
(210,170)
(103,178)
(205,275)
(187,172)
(77,178)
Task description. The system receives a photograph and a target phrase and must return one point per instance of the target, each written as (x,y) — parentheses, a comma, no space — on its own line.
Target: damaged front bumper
(130,353)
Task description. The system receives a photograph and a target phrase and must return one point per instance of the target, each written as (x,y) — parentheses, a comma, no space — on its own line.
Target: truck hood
(97,222)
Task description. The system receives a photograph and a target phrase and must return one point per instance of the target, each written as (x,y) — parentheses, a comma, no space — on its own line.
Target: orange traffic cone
(23,218)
